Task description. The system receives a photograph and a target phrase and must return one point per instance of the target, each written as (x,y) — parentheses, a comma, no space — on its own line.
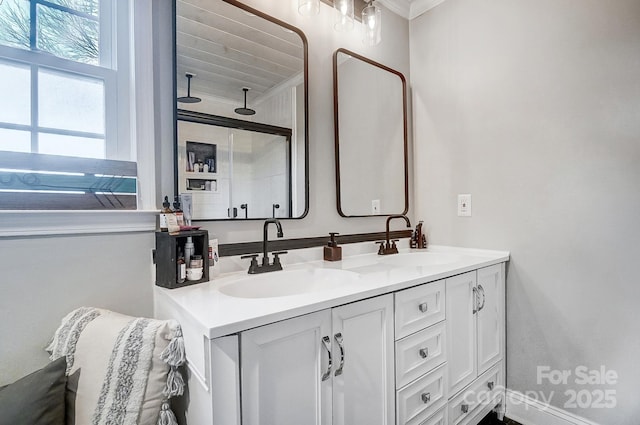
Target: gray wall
(45,278)
(533,107)
(323,41)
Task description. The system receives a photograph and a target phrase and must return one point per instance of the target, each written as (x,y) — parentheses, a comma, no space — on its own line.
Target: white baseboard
(529,411)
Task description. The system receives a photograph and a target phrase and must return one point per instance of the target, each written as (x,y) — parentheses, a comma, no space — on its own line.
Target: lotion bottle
(189,250)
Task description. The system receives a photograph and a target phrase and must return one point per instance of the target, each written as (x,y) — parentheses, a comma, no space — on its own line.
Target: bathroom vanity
(411,338)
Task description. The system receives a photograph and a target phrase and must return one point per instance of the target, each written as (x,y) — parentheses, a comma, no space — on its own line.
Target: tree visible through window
(65,28)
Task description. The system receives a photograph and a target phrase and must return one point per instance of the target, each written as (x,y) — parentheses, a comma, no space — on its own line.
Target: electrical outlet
(375,207)
(464,205)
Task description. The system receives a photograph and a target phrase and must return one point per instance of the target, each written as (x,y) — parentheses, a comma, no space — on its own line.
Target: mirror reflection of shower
(245,110)
(188,98)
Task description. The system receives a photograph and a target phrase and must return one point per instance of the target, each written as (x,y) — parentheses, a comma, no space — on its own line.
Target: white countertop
(219,314)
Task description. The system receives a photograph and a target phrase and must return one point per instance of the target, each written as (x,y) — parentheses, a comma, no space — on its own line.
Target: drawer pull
(423,307)
(424,352)
(490,385)
(464,408)
(426,397)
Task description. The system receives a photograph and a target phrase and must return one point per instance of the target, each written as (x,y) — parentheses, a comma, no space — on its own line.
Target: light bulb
(308,7)
(372,24)
(344,20)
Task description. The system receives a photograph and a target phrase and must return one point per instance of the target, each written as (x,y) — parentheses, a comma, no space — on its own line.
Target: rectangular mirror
(241,144)
(370,112)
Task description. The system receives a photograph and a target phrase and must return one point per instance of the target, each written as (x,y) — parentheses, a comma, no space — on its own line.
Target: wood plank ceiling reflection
(228,49)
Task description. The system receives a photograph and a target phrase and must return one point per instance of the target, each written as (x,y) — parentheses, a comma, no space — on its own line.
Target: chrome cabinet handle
(464,408)
(426,397)
(490,385)
(481,289)
(338,338)
(424,307)
(475,300)
(326,342)
(424,352)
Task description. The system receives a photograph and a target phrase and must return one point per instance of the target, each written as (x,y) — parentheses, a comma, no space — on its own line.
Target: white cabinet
(330,367)
(363,392)
(430,354)
(490,316)
(461,329)
(282,366)
(475,307)
(421,370)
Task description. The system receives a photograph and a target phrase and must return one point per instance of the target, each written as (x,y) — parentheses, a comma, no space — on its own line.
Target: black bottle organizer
(166,256)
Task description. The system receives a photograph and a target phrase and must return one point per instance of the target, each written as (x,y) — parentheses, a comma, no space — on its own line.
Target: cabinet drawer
(418,308)
(420,399)
(438,418)
(419,353)
(481,392)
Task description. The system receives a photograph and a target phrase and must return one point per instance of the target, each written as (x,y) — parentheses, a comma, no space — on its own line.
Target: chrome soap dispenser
(333,252)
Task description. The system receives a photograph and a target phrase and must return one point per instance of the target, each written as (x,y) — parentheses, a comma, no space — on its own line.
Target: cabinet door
(282,368)
(490,316)
(461,330)
(363,386)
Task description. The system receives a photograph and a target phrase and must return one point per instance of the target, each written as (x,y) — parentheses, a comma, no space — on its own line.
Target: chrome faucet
(266,266)
(389,247)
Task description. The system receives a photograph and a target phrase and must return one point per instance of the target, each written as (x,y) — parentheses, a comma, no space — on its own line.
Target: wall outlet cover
(464,205)
(375,206)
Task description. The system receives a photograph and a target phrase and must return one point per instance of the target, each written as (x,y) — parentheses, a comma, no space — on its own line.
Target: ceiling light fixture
(309,7)
(245,110)
(188,98)
(371,24)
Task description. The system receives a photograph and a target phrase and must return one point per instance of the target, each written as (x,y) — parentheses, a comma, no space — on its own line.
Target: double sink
(288,283)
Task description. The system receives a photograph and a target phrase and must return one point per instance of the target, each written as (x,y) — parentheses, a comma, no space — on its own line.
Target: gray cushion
(36,399)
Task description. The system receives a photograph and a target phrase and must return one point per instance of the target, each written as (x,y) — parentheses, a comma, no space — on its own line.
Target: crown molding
(418,7)
(410,9)
(399,7)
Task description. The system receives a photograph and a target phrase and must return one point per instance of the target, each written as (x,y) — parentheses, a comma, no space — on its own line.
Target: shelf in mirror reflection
(230,47)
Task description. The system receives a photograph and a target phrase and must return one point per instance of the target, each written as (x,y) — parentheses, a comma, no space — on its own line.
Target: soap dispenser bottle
(333,252)
(166,210)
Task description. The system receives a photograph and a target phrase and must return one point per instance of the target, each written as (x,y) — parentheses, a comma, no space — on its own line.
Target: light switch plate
(464,205)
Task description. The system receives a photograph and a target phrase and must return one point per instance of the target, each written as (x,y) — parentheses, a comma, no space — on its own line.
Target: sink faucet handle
(381,248)
(254,262)
(276,256)
(393,243)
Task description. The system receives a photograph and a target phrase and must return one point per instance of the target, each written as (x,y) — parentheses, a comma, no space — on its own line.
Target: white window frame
(135,132)
(114,71)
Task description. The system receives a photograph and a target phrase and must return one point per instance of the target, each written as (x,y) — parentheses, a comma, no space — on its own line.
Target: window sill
(53,222)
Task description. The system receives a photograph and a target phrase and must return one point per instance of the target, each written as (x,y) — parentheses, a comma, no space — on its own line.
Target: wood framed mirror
(241,112)
(371,151)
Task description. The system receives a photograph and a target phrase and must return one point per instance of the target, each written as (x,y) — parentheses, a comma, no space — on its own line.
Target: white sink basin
(288,282)
(419,259)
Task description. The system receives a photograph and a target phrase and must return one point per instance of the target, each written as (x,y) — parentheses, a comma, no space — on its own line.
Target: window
(64,110)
